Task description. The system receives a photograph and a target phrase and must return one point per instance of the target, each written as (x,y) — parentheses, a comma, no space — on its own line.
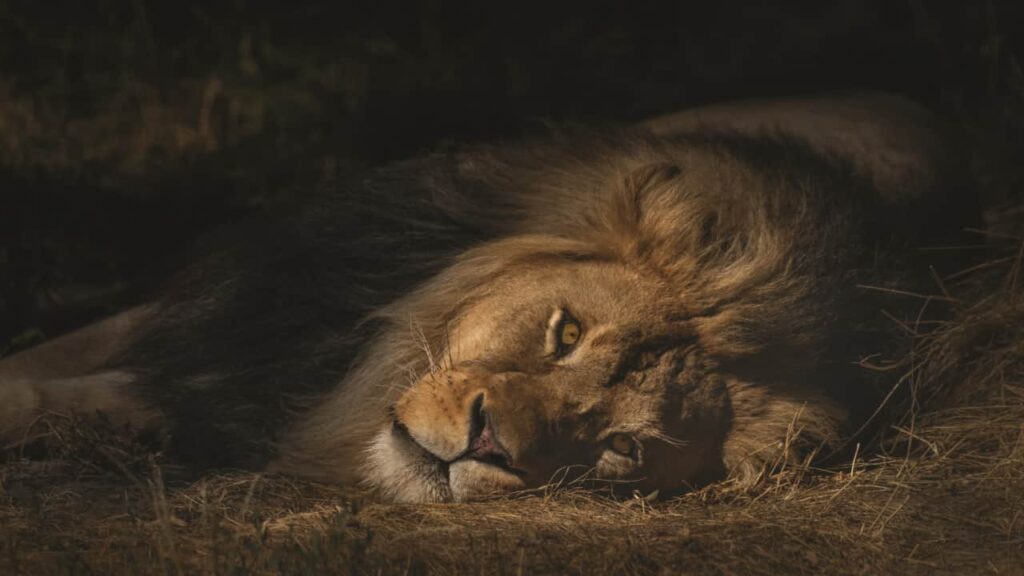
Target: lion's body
(393,331)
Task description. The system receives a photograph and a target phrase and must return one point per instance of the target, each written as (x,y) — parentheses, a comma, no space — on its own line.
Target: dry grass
(940,493)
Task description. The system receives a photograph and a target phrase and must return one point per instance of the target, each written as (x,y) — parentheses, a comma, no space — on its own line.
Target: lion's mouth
(483,444)
(495,461)
(483,447)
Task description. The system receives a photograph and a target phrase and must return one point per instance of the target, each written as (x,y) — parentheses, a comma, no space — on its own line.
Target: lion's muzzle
(483,441)
(493,434)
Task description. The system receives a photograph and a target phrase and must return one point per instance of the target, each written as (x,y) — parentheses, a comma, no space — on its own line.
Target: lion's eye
(623,444)
(564,332)
(570,334)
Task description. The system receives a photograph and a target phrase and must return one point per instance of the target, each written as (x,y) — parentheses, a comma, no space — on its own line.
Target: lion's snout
(467,414)
(483,423)
(484,444)
(439,412)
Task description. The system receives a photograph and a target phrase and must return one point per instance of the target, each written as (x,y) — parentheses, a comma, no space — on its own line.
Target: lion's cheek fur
(402,472)
(436,412)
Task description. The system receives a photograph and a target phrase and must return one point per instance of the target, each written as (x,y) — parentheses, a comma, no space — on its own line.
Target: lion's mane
(313,322)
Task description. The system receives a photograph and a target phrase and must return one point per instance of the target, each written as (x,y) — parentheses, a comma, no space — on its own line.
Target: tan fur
(79,352)
(25,404)
(58,378)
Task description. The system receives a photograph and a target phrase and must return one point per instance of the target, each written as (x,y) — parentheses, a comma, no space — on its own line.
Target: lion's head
(620,341)
(557,369)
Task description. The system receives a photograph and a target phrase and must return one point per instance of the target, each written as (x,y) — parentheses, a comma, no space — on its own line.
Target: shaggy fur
(716,275)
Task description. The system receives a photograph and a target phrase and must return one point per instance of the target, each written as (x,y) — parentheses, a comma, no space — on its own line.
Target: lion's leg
(66,375)
(81,352)
(25,404)
(772,430)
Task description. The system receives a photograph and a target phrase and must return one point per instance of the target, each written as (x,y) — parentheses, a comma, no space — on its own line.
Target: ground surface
(940,493)
(129,128)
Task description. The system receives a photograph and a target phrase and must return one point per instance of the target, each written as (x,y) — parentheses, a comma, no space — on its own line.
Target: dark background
(130,128)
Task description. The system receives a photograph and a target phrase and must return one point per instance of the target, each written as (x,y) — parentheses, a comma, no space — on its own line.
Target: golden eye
(563,334)
(570,333)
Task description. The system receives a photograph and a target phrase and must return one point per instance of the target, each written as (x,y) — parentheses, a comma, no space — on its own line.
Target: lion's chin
(472,480)
(403,471)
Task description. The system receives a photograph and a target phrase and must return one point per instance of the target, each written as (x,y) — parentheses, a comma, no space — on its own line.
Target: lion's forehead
(513,311)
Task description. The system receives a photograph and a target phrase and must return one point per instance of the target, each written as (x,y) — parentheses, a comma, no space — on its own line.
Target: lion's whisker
(670,440)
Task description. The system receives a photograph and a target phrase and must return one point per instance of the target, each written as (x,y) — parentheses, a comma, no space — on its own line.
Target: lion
(654,307)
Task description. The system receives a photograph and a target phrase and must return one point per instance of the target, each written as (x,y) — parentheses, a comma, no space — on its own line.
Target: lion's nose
(483,442)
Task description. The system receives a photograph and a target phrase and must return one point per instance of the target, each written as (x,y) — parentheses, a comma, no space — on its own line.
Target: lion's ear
(666,219)
(639,183)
